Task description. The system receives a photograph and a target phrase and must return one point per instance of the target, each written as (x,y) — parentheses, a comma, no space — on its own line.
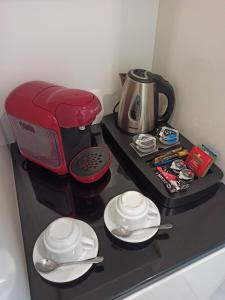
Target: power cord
(114,109)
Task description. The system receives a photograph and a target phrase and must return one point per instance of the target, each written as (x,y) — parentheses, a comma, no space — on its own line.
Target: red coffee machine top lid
(44,103)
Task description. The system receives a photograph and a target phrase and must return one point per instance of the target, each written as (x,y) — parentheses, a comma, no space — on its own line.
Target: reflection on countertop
(43,197)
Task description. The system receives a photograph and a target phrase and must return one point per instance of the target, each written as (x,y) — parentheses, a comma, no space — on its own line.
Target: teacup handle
(87,244)
(151,214)
(123,223)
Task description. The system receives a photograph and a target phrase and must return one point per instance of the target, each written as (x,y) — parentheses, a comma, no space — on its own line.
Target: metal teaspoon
(123,232)
(47,265)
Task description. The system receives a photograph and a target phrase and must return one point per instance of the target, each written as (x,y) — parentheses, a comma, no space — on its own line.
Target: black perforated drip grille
(90,161)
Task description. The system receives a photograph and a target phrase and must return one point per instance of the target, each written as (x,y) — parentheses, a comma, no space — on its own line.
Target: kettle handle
(164,87)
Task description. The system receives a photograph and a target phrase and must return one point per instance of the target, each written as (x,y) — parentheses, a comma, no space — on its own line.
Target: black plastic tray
(143,173)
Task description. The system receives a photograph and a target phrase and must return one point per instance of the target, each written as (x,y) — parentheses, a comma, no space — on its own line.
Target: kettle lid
(141,75)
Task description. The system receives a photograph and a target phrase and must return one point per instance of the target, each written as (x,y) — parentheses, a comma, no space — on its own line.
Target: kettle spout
(123,77)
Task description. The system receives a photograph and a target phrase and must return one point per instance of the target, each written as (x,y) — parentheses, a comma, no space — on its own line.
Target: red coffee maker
(51,123)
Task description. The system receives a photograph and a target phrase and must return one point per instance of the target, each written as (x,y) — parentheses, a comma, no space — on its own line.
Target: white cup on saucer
(133,210)
(64,241)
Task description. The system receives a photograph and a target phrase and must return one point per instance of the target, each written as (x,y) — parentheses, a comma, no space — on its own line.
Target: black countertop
(43,197)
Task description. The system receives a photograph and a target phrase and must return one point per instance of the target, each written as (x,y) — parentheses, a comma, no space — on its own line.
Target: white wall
(137,33)
(77,43)
(72,43)
(190,53)
(13,276)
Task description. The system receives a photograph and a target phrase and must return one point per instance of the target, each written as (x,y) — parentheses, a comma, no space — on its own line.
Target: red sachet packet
(199,161)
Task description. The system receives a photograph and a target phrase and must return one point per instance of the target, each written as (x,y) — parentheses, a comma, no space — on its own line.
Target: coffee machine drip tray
(143,174)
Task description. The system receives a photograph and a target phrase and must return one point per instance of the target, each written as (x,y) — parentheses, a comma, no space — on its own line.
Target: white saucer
(68,273)
(138,236)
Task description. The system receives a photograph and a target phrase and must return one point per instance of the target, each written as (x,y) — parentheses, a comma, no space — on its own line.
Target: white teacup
(63,240)
(133,210)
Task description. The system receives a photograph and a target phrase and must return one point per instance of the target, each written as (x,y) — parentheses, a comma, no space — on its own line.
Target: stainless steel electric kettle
(139,105)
